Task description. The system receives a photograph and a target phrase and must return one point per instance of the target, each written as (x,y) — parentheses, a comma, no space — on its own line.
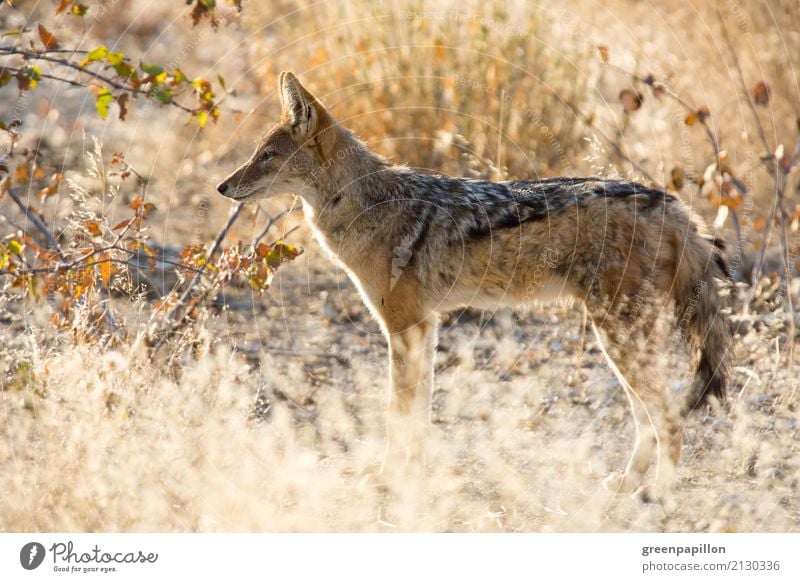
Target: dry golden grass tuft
(113,441)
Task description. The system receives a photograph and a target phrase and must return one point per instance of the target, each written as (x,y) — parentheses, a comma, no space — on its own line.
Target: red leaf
(123,224)
(761,94)
(63,6)
(122,101)
(92,227)
(48,40)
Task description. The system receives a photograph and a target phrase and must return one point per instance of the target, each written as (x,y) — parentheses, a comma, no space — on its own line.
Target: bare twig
(587,122)
(272,220)
(768,158)
(746,93)
(37,222)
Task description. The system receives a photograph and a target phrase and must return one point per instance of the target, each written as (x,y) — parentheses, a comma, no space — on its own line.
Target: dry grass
(259,428)
(112,441)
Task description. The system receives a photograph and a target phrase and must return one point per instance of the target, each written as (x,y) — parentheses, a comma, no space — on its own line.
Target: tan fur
(417,245)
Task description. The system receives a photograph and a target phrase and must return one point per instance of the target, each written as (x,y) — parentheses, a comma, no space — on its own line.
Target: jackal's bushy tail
(702,298)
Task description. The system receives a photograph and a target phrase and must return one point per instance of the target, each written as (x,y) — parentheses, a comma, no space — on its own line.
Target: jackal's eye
(267,155)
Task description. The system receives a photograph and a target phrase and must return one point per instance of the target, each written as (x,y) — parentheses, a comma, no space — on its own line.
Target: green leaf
(98,54)
(104,99)
(5,77)
(221,82)
(163,95)
(124,70)
(151,69)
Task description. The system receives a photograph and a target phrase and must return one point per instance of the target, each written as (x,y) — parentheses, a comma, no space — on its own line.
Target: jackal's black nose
(222,187)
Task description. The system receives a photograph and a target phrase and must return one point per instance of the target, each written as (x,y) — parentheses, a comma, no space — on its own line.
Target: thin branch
(38,56)
(745,92)
(42,227)
(584,119)
(83,262)
(48,76)
(272,220)
(37,222)
(678,99)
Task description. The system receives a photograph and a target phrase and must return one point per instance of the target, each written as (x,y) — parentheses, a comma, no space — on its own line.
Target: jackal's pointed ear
(306,116)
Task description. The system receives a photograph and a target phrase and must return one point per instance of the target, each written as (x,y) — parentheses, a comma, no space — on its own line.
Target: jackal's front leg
(411,370)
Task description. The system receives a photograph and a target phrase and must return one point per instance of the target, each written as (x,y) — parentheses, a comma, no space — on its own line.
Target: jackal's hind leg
(633,338)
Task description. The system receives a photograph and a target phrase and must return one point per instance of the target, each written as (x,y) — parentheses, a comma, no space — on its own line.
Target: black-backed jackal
(417,244)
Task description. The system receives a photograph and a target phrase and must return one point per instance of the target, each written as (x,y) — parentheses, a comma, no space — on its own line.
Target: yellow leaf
(107,269)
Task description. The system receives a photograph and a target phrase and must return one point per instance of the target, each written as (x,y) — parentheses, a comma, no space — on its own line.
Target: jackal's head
(294,150)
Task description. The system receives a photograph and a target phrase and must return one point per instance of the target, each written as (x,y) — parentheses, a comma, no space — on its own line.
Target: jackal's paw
(654,495)
(644,494)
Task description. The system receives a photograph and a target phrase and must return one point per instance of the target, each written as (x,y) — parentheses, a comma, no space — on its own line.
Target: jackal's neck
(351,171)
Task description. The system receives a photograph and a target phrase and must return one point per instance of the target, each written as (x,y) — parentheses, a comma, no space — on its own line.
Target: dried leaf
(28,77)
(603,50)
(48,40)
(700,115)
(23,174)
(107,269)
(92,227)
(122,101)
(658,88)
(762,94)
(677,178)
(631,100)
(123,224)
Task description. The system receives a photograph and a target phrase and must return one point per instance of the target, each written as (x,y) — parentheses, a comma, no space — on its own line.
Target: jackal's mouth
(235,192)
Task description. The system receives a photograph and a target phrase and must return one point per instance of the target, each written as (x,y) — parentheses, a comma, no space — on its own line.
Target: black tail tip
(710,382)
